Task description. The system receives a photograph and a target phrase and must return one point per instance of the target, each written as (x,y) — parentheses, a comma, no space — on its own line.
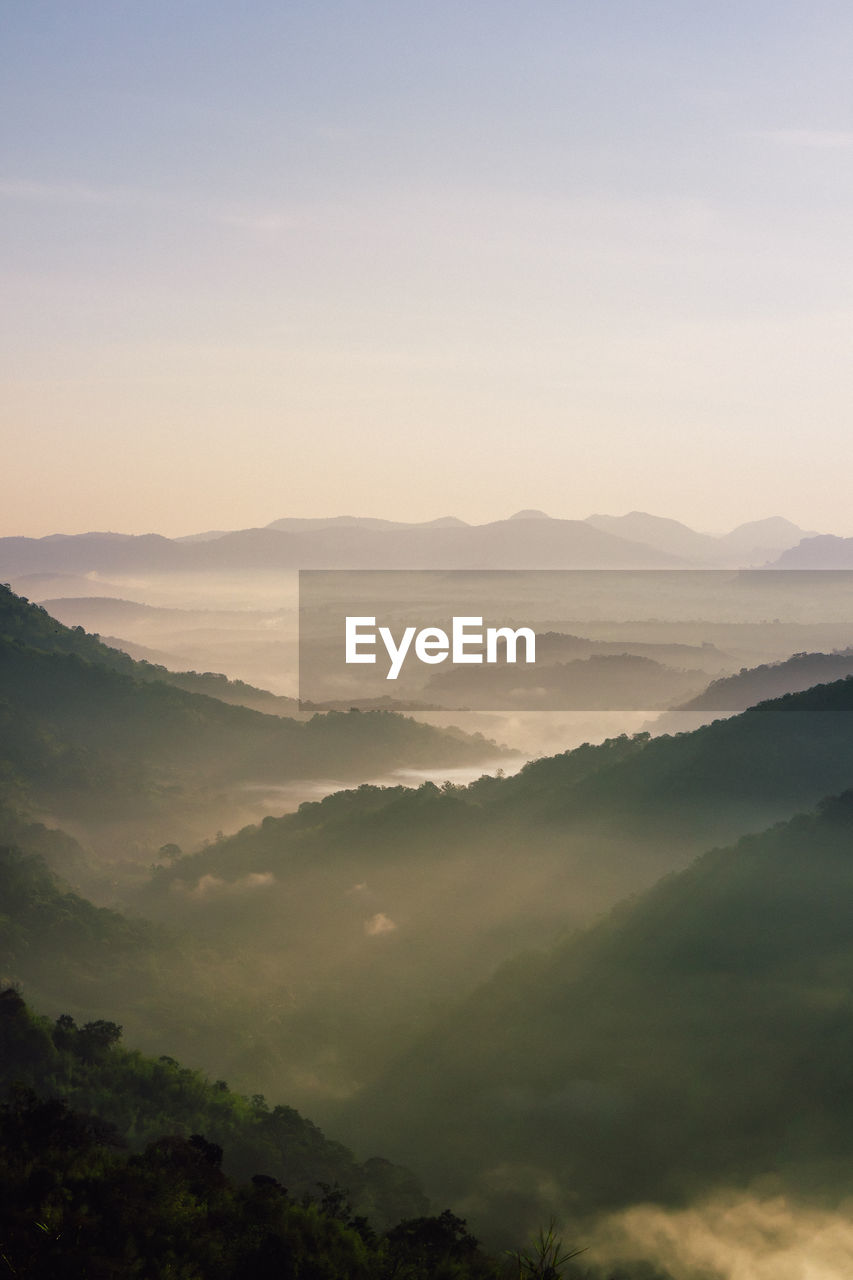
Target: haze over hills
(92,735)
(774,533)
(257,645)
(820,552)
(530,539)
(322,956)
(295,524)
(528,544)
(666,535)
(749,545)
(771,680)
(698,1038)
(383,906)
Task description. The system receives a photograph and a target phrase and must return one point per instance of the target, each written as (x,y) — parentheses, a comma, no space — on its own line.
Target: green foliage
(440,1247)
(75,1202)
(546,1259)
(141,1098)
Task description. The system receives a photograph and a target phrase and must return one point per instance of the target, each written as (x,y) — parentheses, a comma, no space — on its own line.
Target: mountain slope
(698,1038)
(771,680)
(294,524)
(381,906)
(774,533)
(824,551)
(671,536)
(765,762)
(752,543)
(145,1097)
(88,732)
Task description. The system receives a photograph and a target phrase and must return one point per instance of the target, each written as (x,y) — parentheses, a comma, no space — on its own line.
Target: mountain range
(528,540)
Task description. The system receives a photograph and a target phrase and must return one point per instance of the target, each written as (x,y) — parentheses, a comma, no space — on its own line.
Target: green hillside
(367,915)
(145,1097)
(699,1037)
(705,785)
(87,733)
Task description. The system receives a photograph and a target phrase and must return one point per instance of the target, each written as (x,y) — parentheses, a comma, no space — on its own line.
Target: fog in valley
(475,941)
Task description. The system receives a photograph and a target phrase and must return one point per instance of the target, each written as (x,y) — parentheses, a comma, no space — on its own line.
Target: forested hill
(698,1038)
(83,731)
(108,1169)
(36,627)
(33,627)
(708,784)
(771,680)
(380,906)
(769,760)
(145,1098)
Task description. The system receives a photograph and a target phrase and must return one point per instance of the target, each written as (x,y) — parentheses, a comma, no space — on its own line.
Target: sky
(419,259)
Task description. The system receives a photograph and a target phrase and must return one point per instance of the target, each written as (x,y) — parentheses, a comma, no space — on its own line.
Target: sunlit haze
(412,260)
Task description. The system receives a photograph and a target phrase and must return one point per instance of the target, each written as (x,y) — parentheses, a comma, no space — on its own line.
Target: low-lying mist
(732,1235)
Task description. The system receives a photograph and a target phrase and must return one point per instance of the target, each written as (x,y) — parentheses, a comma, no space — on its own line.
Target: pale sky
(418,259)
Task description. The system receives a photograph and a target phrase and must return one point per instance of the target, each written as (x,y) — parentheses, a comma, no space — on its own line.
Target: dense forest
(105,1171)
(117,1165)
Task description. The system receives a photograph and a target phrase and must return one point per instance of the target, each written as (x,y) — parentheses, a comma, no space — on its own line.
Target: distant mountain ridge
(529,539)
(775,532)
(527,543)
(297,524)
(823,551)
(749,545)
(771,680)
